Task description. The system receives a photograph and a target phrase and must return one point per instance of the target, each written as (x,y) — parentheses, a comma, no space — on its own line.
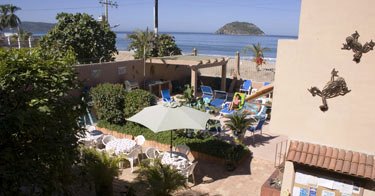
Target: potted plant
(238,124)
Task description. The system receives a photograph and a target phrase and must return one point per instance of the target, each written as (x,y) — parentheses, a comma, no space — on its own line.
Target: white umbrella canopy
(163,118)
(170,117)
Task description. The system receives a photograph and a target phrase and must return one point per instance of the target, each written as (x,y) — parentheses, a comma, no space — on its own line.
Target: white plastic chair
(90,128)
(189,171)
(107,139)
(140,140)
(152,153)
(132,156)
(184,149)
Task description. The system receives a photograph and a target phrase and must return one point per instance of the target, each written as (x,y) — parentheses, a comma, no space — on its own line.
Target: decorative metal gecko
(353,44)
(335,87)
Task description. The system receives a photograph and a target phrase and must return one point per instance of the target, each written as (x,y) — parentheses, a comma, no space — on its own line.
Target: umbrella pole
(171,144)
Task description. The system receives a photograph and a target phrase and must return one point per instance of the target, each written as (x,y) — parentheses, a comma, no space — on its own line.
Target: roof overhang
(190,60)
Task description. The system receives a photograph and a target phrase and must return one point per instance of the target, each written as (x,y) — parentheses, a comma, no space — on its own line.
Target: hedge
(206,144)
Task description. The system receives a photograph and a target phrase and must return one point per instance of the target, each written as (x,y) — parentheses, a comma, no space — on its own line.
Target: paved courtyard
(213,179)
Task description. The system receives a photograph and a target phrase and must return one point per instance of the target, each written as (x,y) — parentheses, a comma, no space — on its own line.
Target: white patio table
(120,146)
(177,160)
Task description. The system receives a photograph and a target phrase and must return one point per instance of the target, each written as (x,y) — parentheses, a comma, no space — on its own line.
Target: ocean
(213,44)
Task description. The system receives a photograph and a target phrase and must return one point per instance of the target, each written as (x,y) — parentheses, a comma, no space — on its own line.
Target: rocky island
(240,28)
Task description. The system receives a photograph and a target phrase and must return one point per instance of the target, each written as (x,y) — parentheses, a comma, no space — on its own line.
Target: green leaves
(136,100)
(38,129)
(146,44)
(90,40)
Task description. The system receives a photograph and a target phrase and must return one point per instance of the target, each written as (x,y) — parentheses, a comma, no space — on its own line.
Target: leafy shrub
(101,169)
(90,40)
(136,100)
(109,102)
(162,179)
(206,144)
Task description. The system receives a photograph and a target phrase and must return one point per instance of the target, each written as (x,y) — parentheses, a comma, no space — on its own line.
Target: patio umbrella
(170,116)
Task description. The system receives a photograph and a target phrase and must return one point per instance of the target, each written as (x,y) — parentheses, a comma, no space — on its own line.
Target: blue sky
(274,17)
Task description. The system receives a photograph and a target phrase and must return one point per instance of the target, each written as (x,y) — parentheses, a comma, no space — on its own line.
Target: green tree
(142,43)
(258,52)
(238,123)
(146,44)
(38,122)
(162,179)
(90,40)
(8,17)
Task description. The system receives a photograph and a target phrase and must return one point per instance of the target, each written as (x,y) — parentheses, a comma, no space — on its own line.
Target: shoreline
(248,68)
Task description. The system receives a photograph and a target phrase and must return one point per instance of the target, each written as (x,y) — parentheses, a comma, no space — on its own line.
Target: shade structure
(170,116)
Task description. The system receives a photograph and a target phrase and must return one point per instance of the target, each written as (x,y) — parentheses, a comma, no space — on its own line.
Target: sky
(274,17)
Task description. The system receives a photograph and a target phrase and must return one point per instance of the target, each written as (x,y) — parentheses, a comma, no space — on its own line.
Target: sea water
(214,44)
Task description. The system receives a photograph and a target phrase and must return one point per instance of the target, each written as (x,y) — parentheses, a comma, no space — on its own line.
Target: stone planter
(267,189)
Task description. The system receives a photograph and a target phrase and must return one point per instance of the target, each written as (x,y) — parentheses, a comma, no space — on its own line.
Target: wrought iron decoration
(353,44)
(335,87)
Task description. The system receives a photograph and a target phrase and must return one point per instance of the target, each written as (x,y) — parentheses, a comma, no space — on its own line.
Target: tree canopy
(38,122)
(8,18)
(90,40)
(146,44)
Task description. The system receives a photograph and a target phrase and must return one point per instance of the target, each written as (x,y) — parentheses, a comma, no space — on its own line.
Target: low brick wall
(165,147)
(267,189)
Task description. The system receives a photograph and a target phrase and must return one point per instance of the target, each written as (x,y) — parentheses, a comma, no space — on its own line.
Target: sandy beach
(247,68)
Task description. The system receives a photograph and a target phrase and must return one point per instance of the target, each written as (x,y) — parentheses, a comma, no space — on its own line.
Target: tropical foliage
(146,44)
(238,123)
(38,129)
(8,18)
(90,40)
(101,169)
(258,53)
(162,179)
(136,100)
(109,102)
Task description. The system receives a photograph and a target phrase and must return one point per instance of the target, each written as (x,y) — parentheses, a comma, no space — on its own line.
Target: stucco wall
(118,72)
(349,123)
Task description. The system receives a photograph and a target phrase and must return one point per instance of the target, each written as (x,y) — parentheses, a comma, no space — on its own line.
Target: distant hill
(240,28)
(36,27)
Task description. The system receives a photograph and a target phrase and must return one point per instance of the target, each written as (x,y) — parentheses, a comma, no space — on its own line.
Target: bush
(101,169)
(109,102)
(206,144)
(136,100)
(162,179)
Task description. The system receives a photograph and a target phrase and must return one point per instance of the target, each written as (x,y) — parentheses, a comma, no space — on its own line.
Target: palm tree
(141,43)
(3,16)
(163,179)
(13,20)
(238,123)
(258,52)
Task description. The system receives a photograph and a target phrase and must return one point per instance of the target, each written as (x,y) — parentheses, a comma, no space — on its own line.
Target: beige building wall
(118,72)
(349,122)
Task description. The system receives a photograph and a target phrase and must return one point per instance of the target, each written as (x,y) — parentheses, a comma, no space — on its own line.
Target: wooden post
(194,80)
(195,52)
(238,64)
(223,76)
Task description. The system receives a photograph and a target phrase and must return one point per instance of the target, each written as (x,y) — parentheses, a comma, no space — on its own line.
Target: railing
(280,153)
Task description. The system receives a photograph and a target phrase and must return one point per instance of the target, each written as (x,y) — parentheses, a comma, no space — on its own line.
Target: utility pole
(156,18)
(107,3)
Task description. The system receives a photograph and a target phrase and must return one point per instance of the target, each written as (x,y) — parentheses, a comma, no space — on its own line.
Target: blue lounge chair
(219,99)
(246,86)
(258,127)
(266,83)
(207,92)
(262,112)
(166,96)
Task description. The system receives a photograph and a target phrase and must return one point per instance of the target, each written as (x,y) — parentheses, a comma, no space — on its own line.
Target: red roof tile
(339,160)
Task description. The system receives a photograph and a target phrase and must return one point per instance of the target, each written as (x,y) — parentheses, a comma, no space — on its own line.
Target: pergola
(195,63)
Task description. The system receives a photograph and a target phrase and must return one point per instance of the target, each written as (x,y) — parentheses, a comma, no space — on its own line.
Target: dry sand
(247,68)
